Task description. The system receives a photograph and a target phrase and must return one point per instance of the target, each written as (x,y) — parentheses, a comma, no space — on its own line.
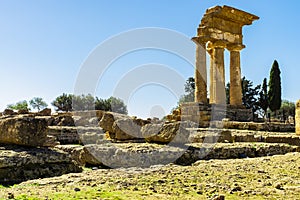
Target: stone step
(212,135)
(77,134)
(145,155)
(19,164)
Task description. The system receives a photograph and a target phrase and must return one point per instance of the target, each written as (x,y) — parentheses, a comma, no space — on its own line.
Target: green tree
(63,102)
(83,102)
(227,93)
(21,105)
(111,104)
(287,108)
(249,94)
(189,88)
(102,104)
(274,94)
(117,105)
(263,97)
(38,103)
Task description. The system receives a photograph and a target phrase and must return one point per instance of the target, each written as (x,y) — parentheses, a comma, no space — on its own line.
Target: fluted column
(217,73)
(235,75)
(200,72)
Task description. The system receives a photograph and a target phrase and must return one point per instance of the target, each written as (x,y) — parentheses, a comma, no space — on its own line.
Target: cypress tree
(263,97)
(274,94)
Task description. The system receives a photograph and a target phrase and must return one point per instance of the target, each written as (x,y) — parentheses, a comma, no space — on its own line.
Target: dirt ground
(275,177)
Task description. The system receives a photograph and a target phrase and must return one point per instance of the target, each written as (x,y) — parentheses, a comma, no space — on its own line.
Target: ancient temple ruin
(220,29)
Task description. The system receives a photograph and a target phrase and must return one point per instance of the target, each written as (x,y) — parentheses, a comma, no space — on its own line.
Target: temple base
(204,113)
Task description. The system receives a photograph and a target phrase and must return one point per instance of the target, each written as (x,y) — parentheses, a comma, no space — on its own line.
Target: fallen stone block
(19,164)
(25,130)
(165,133)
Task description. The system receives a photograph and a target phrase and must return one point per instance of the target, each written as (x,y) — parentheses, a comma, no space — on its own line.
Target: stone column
(235,75)
(217,73)
(297,117)
(200,72)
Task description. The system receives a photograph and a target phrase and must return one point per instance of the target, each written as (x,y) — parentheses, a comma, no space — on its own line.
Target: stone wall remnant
(297,117)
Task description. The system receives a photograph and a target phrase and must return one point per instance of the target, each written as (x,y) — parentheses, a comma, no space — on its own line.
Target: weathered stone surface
(165,133)
(125,129)
(145,155)
(18,164)
(23,130)
(108,120)
(130,155)
(77,135)
(272,127)
(287,139)
(89,114)
(211,136)
(231,151)
(45,112)
(23,111)
(75,151)
(51,141)
(9,112)
(175,116)
(122,127)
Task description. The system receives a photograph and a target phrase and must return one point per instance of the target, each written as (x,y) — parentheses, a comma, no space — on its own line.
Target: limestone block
(23,130)
(108,120)
(19,164)
(125,129)
(165,133)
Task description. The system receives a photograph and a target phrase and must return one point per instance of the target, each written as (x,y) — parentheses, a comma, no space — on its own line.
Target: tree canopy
(63,102)
(263,102)
(21,105)
(111,104)
(38,103)
(274,94)
(189,88)
(70,102)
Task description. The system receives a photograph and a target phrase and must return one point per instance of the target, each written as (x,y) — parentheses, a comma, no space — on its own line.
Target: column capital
(218,44)
(215,45)
(235,47)
(199,41)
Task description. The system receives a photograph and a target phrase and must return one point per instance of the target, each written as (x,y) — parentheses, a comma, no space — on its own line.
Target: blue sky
(45,43)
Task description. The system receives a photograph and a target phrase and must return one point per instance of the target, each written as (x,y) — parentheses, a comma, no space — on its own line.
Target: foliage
(117,105)
(102,104)
(227,93)
(287,108)
(274,94)
(69,102)
(111,104)
(83,102)
(189,88)
(38,103)
(63,102)
(21,105)
(263,97)
(249,94)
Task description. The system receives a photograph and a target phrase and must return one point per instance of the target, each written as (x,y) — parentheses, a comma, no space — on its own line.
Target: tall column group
(235,75)
(217,73)
(200,73)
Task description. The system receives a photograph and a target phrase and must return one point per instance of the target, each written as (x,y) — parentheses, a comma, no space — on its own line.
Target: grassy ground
(276,177)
